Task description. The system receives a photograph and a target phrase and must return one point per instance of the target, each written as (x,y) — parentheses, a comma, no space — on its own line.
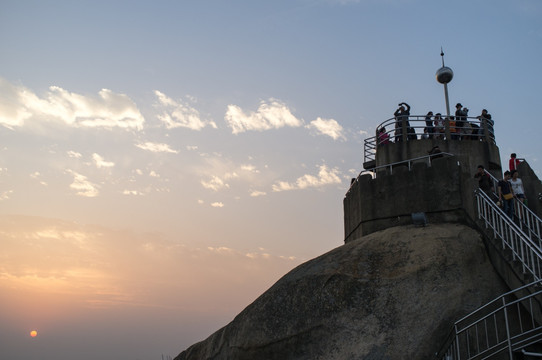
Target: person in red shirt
(513,162)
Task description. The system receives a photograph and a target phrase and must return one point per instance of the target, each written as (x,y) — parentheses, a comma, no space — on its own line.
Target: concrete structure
(442,187)
(401,178)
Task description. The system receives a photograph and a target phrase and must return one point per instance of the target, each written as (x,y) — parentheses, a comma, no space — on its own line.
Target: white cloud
(74,154)
(82,185)
(132,192)
(257,193)
(4,195)
(100,162)
(215,184)
(325,177)
(157,147)
(250,168)
(217,204)
(329,127)
(107,110)
(272,115)
(178,114)
(37,176)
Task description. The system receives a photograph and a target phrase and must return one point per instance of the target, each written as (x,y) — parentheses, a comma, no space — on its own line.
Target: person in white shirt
(517,186)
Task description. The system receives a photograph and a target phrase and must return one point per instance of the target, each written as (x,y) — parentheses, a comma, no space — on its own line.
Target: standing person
(429,129)
(506,195)
(439,126)
(513,162)
(517,186)
(402,113)
(486,122)
(460,118)
(484,181)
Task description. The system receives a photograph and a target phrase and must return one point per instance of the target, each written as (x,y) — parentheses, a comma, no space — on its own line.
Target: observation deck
(414,136)
(401,176)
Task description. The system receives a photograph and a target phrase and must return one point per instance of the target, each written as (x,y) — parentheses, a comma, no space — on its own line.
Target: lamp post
(444,76)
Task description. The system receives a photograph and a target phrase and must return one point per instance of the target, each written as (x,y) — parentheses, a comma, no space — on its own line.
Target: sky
(163,163)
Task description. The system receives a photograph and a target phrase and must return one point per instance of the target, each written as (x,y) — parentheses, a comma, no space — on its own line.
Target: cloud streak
(82,186)
(106,110)
(329,127)
(177,114)
(325,177)
(270,115)
(156,147)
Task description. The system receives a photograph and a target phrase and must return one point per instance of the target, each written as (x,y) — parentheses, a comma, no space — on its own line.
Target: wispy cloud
(107,110)
(217,204)
(74,154)
(325,177)
(4,195)
(82,185)
(179,114)
(37,176)
(100,162)
(132,192)
(215,184)
(257,193)
(156,147)
(329,127)
(270,115)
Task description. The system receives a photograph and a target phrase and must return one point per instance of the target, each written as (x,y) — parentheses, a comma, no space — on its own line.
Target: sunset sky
(162,163)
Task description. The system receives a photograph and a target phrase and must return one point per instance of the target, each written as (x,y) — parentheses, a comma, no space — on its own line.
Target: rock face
(393,294)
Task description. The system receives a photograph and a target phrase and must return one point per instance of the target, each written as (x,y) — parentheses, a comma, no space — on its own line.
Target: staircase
(524,217)
(510,326)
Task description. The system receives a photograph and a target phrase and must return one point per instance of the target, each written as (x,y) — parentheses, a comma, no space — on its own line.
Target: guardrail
(523,249)
(530,222)
(426,158)
(502,326)
(416,127)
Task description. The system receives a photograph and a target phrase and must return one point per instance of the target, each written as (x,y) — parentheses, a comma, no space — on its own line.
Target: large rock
(393,294)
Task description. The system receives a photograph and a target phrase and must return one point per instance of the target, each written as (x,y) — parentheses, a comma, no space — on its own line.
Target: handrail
(409,162)
(489,330)
(416,127)
(529,220)
(512,237)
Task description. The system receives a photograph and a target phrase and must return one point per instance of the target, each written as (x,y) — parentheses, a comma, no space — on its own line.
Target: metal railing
(502,326)
(530,223)
(416,127)
(523,249)
(409,162)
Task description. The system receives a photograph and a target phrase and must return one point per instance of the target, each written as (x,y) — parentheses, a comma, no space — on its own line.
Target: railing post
(457,343)
(508,340)
(447,128)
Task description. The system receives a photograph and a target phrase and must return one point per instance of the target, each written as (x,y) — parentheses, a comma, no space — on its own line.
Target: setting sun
(33,333)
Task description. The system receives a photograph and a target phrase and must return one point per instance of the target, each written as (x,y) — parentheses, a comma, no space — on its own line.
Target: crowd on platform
(461,127)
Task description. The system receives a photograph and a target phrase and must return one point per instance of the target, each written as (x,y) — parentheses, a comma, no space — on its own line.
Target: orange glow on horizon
(33,333)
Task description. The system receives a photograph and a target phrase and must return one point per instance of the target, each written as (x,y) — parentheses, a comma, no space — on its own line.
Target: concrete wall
(470,153)
(532,186)
(443,191)
(439,191)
